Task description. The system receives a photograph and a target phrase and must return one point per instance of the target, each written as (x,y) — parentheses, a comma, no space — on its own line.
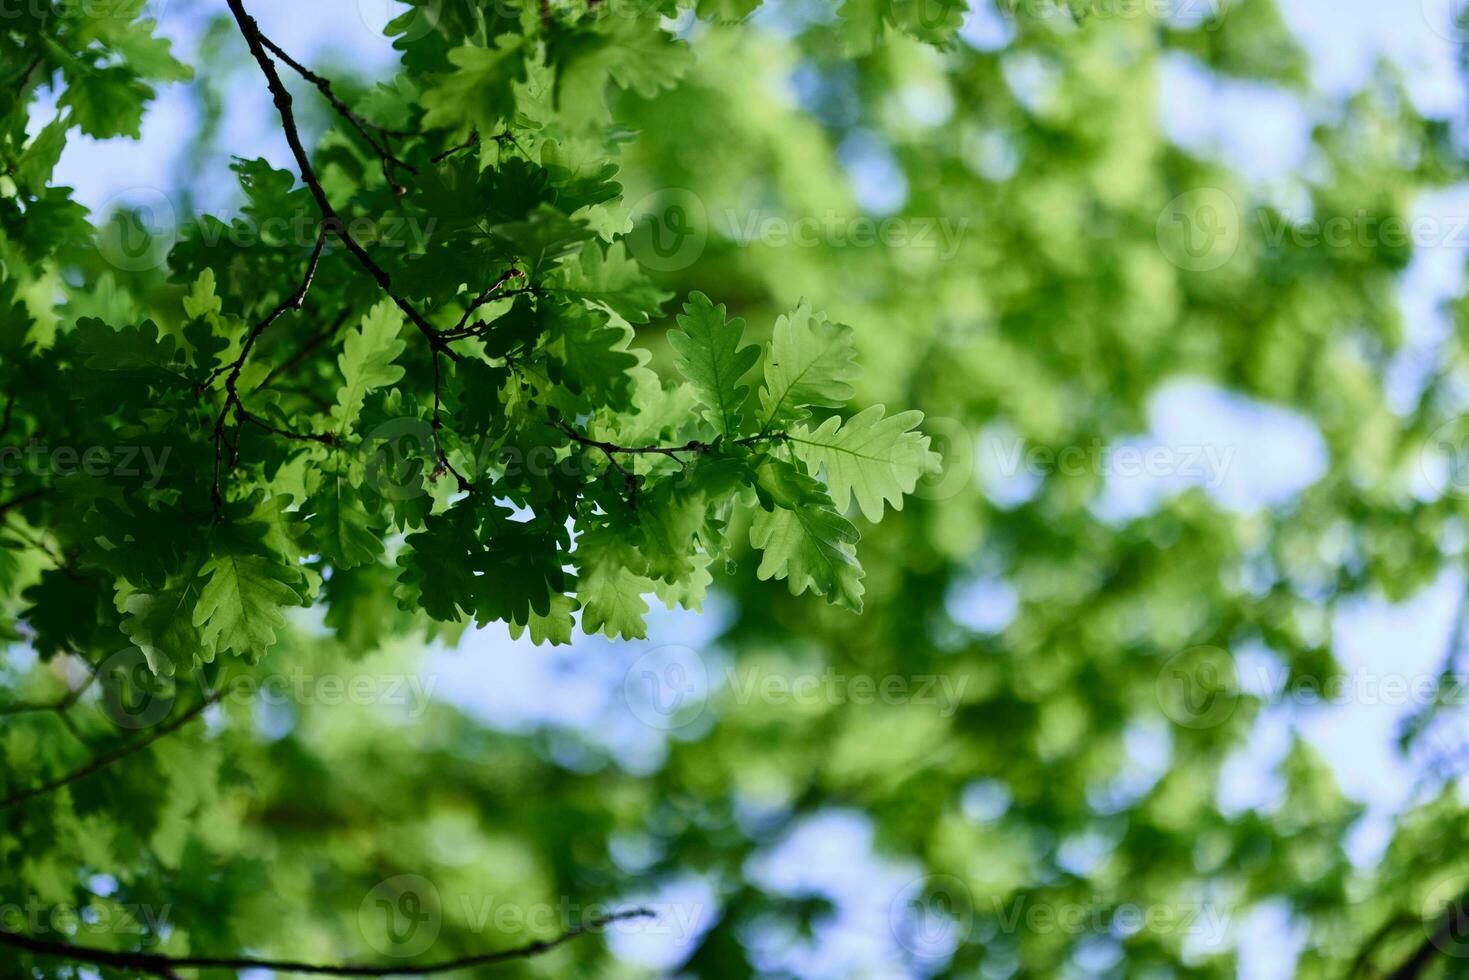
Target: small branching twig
(231,371)
(611,450)
(107,759)
(468,144)
(442,464)
(692,446)
(22,500)
(489,295)
(158,965)
(390,161)
(61,705)
(255,39)
(42,546)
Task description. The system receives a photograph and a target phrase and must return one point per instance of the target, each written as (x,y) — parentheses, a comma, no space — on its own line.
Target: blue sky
(1259,131)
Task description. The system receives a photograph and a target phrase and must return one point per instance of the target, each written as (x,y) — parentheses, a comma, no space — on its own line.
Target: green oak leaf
(367,360)
(804,539)
(479,93)
(875,459)
(342,530)
(811,362)
(710,356)
(241,607)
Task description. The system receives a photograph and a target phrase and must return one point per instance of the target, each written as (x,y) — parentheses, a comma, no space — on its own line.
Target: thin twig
(442,464)
(232,378)
(107,759)
(40,545)
(60,705)
(489,295)
(21,501)
(630,480)
(282,99)
(325,87)
(692,446)
(305,352)
(468,144)
(1455,918)
(164,966)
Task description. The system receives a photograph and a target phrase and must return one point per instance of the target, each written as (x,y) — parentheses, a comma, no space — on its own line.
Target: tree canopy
(601,309)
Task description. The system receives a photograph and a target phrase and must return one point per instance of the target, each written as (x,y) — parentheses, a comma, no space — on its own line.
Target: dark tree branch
(460,331)
(609,449)
(490,294)
(629,478)
(40,545)
(25,76)
(468,144)
(692,446)
(60,706)
(1453,925)
(158,965)
(361,125)
(108,758)
(21,501)
(282,98)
